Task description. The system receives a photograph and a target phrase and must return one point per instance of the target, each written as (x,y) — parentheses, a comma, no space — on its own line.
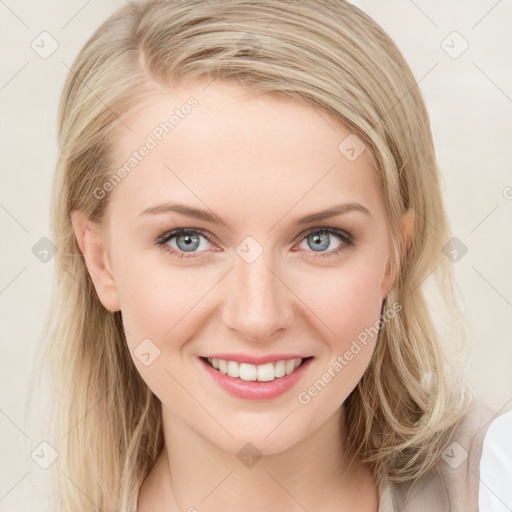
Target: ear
(407,229)
(90,240)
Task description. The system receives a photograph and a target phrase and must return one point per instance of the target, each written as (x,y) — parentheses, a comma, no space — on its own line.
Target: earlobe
(92,246)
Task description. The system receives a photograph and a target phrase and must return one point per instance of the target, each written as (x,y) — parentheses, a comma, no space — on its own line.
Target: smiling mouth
(252,372)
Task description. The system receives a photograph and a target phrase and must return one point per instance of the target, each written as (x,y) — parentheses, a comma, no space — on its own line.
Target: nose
(259,303)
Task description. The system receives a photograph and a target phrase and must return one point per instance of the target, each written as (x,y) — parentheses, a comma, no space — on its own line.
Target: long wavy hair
(330,55)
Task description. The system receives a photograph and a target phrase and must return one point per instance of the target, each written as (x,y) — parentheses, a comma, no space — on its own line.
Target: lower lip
(254,390)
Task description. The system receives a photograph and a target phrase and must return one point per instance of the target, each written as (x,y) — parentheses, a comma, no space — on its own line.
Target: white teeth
(290,366)
(250,372)
(247,371)
(233,369)
(266,372)
(223,366)
(280,369)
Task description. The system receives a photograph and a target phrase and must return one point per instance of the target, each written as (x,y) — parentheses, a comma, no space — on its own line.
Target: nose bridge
(258,304)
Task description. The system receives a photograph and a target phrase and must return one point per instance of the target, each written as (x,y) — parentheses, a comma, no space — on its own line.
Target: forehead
(199,141)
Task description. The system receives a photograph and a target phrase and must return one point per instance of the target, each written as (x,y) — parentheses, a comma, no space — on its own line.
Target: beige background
(470,101)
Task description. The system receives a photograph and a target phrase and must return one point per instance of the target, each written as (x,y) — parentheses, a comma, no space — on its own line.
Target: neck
(319,473)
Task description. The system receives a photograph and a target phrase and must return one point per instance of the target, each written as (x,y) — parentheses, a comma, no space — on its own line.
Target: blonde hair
(332,56)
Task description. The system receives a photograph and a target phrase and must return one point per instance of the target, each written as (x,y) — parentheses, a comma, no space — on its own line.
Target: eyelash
(345,237)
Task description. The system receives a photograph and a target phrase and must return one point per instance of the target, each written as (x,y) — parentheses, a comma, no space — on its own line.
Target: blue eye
(321,239)
(189,240)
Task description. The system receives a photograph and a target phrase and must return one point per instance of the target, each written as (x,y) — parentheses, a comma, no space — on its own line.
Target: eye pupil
(189,242)
(320,240)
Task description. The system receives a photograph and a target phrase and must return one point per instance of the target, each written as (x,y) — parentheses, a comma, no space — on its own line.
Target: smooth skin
(259,163)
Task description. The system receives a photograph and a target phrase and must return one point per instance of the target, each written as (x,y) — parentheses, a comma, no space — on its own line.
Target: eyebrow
(209,216)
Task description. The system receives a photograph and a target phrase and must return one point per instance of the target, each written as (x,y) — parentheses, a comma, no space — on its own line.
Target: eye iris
(321,241)
(190,240)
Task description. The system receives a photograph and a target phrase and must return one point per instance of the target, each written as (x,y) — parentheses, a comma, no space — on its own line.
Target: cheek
(163,308)
(347,305)
(155,296)
(348,302)
(345,299)
(159,308)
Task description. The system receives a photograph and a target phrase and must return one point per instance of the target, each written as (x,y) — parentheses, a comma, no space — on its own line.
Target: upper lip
(256,360)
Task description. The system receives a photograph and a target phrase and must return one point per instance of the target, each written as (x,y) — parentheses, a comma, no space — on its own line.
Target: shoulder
(455,483)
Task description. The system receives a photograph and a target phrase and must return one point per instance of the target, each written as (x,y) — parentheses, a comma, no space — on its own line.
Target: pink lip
(254,390)
(243,358)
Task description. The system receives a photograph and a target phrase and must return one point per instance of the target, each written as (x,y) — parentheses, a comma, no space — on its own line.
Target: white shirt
(495,488)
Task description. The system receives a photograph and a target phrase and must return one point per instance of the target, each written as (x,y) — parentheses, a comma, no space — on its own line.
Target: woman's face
(249,279)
